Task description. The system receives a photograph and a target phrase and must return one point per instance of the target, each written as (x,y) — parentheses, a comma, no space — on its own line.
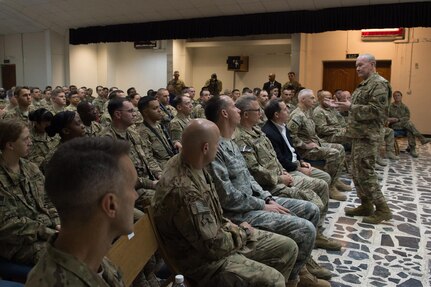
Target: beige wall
(409,75)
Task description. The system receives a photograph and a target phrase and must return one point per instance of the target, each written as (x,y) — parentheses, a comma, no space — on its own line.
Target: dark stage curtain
(405,15)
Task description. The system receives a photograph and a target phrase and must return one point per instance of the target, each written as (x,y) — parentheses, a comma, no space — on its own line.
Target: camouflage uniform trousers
(333,154)
(412,132)
(299,225)
(364,154)
(270,264)
(387,139)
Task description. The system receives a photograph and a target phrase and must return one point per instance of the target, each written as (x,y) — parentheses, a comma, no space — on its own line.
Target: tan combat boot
(365,209)
(391,155)
(326,243)
(413,152)
(306,279)
(425,140)
(380,161)
(314,268)
(382,213)
(341,186)
(334,193)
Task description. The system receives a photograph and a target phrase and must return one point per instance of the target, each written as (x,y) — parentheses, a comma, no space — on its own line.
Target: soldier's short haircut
(243,102)
(144,102)
(204,89)
(115,104)
(33,89)
(40,115)
(18,90)
(397,92)
(10,130)
(369,57)
(129,90)
(272,107)
(178,100)
(55,92)
(214,107)
(114,94)
(235,90)
(71,93)
(160,91)
(303,93)
(81,172)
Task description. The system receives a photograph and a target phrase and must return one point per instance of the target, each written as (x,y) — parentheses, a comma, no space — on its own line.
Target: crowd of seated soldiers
(282,130)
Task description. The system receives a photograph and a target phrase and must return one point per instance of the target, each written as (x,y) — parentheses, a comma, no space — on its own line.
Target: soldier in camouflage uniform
(264,166)
(168,111)
(21,111)
(262,97)
(399,119)
(42,143)
(287,95)
(243,199)
(199,109)
(37,100)
(102,97)
(207,247)
(95,206)
(122,114)
(58,100)
(367,115)
(106,119)
(184,108)
(74,100)
(26,218)
(88,114)
(177,84)
(310,146)
(153,132)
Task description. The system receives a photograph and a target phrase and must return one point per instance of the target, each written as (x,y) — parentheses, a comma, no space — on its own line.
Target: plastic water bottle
(179,281)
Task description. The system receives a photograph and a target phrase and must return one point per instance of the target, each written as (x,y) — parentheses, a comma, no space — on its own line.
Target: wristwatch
(268,199)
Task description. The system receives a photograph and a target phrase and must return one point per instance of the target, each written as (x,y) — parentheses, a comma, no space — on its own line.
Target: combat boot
(326,243)
(306,279)
(382,213)
(413,152)
(391,155)
(425,140)
(334,193)
(341,186)
(365,209)
(292,283)
(317,270)
(380,161)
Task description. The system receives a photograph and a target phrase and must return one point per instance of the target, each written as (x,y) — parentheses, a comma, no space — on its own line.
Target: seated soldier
(122,114)
(58,101)
(26,219)
(208,248)
(42,143)
(311,147)
(243,199)
(95,207)
(153,132)
(287,96)
(74,100)
(89,116)
(264,166)
(184,108)
(21,111)
(199,109)
(105,119)
(399,119)
(167,110)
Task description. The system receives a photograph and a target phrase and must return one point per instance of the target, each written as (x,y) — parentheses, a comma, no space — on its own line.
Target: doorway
(8,76)
(342,74)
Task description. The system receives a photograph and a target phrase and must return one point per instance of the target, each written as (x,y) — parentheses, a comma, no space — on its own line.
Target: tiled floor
(396,253)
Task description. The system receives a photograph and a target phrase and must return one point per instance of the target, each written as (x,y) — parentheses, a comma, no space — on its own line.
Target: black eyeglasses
(250,110)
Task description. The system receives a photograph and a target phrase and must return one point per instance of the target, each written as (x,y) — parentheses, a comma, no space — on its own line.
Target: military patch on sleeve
(199,207)
(246,149)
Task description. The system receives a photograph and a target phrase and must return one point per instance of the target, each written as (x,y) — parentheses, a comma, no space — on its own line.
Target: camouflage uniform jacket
(16,113)
(237,189)
(38,104)
(302,129)
(199,111)
(178,86)
(401,112)
(146,167)
(190,220)
(70,108)
(259,155)
(138,118)
(42,145)
(177,126)
(57,268)
(168,112)
(24,218)
(369,109)
(55,111)
(98,103)
(93,130)
(160,142)
(328,123)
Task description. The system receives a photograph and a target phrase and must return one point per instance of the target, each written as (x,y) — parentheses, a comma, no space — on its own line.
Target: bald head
(200,142)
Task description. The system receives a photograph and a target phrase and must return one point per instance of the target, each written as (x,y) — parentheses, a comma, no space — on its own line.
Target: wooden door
(342,74)
(8,76)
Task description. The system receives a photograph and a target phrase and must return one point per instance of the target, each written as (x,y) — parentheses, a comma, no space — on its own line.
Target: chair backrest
(131,255)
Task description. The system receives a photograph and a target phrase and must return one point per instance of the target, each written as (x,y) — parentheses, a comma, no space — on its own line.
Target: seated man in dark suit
(271,83)
(278,133)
